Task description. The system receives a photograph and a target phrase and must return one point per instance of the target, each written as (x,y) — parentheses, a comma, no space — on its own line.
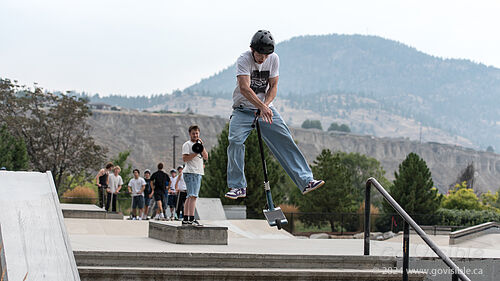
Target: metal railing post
(367,219)
(406,249)
(342,224)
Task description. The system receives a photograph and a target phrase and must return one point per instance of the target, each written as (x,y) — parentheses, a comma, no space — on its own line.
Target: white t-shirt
(136,185)
(172,182)
(259,76)
(195,165)
(114,182)
(182,184)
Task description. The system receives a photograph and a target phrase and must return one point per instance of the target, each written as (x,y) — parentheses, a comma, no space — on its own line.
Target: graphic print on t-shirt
(259,81)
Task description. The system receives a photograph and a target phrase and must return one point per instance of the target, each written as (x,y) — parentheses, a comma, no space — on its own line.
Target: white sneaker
(314,184)
(157,217)
(140,218)
(134,219)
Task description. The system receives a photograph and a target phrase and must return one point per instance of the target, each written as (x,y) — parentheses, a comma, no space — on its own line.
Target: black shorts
(172,200)
(159,196)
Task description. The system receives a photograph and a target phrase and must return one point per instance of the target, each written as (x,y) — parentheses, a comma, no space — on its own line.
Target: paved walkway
(250,236)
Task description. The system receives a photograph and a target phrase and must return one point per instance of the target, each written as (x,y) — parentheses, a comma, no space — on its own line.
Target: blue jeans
(279,140)
(193,184)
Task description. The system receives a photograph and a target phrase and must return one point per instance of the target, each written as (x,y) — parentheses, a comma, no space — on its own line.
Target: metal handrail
(408,220)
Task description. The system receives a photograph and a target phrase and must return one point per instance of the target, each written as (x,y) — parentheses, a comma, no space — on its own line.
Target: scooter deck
(275,217)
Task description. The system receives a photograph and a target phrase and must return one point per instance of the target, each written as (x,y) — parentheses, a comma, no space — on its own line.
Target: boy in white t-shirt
(115,184)
(172,193)
(257,73)
(136,187)
(193,172)
(180,187)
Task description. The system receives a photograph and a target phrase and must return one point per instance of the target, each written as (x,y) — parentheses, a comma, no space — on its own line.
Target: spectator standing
(148,193)
(102,181)
(136,187)
(180,187)
(192,173)
(159,180)
(115,185)
(172,194)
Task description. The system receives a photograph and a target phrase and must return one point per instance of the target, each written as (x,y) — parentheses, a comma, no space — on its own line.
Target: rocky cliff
(149,137)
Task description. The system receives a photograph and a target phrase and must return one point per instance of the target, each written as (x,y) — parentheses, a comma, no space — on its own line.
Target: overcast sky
(155,46)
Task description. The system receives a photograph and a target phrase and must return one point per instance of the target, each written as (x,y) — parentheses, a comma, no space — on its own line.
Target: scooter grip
(257,115)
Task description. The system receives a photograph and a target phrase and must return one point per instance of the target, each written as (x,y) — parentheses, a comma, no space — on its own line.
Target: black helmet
(263,42)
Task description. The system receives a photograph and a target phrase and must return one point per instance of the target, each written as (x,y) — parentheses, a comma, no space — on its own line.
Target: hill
(373,73)
(376,86)
(149,137)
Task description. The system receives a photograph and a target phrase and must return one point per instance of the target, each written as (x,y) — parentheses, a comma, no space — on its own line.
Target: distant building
(100,106)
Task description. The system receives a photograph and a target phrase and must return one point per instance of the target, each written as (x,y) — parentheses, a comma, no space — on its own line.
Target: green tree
(461,198)
(214,183)
(338,195)
(54,129)
(312,124)
(488,201)
(126,167)
(467,176)
(414,190)
(341,128)
(361,167)
(13,154)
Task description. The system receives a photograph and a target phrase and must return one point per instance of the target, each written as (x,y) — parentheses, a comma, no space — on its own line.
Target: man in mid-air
(257,72)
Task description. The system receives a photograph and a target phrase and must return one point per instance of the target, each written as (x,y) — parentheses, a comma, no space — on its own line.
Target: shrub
(288,208)
(312,124)
(81,195)
(466,217)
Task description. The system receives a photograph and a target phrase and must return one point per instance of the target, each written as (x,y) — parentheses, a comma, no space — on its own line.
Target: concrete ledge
(473,231)
(178,234)
(230,274)
(88,211)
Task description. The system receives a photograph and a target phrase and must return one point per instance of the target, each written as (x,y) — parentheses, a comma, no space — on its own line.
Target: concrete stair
(131,266)
(217,274)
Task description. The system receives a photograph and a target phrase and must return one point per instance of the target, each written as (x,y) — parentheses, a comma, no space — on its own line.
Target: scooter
(274,215)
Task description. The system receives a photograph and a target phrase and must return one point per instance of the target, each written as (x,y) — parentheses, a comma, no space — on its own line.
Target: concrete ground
(81,207)
(256,237)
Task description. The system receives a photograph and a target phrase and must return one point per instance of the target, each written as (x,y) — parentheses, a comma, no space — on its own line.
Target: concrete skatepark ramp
(35,243)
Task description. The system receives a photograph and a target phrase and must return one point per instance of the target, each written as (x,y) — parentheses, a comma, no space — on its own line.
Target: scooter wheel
(278,224)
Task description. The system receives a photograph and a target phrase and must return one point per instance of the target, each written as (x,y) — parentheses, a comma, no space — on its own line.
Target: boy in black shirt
(148,193)
(159,180)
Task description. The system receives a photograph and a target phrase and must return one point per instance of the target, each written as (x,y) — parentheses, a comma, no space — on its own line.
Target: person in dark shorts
(148,193)
(180,187)
(172,194)
(159,180)
(102,180)
(136,187)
